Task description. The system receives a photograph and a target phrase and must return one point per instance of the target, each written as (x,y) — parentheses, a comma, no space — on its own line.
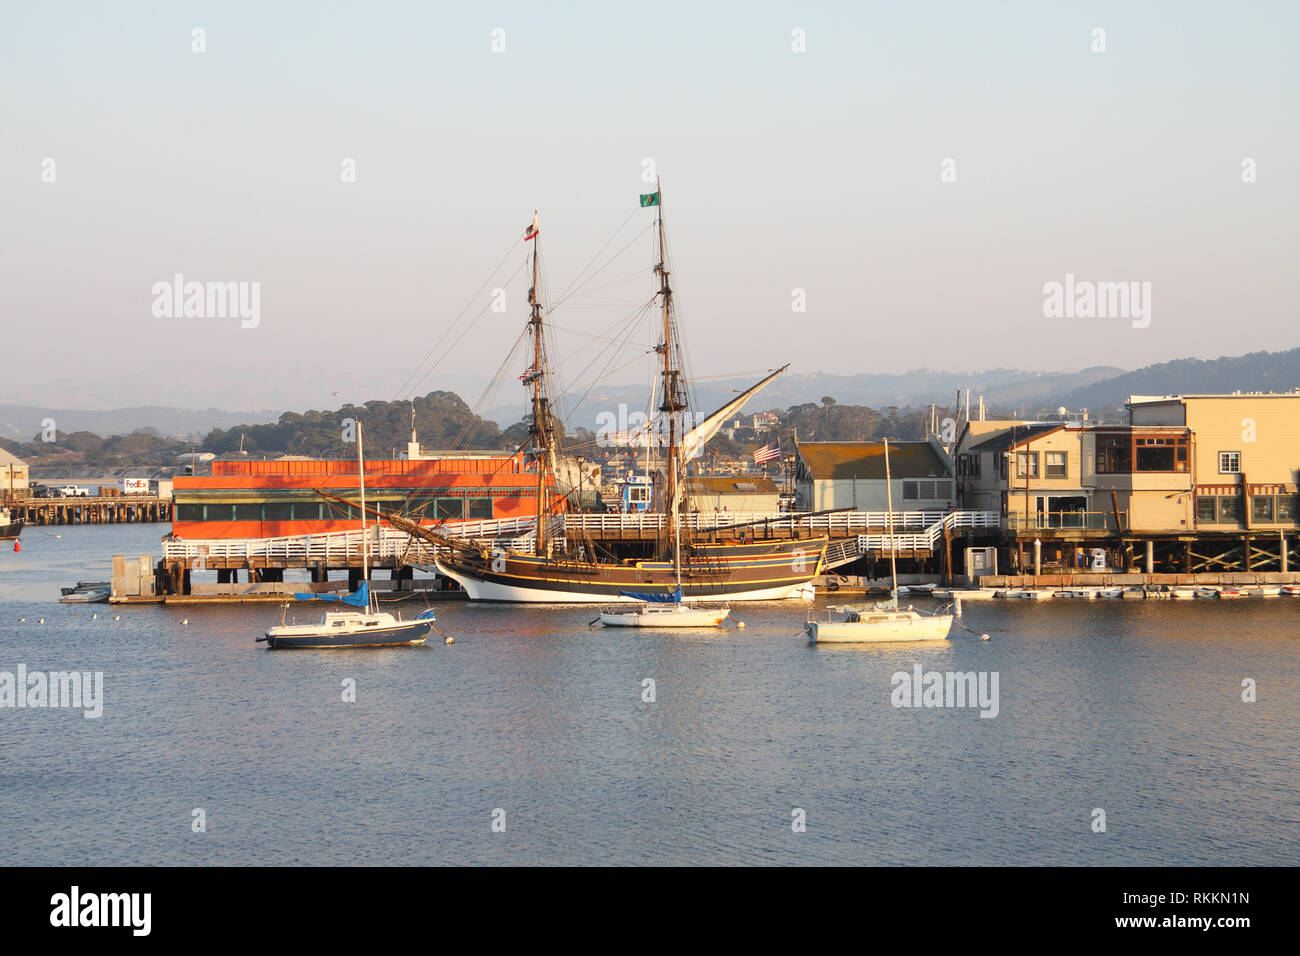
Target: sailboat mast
(365,532)
(889,503)
(673,402)
(539,430)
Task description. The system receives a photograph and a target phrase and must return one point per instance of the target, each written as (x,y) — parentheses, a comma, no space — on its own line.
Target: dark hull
(757,571)
(400,636)
(11,530)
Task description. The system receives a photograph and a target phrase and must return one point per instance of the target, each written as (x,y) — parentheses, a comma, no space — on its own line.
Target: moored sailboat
(885,621)
(368,627)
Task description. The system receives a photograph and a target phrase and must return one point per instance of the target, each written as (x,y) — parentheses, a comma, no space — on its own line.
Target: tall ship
(687,564)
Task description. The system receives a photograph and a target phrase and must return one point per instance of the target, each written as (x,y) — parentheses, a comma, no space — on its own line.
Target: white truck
(74,491)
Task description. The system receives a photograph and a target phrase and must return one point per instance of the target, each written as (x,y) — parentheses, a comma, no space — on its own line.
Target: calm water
(1133,707)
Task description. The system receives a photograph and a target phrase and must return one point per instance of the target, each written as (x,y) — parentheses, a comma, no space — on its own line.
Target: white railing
(340,548)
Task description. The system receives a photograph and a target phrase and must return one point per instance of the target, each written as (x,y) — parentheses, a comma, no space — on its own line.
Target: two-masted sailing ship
(689,564)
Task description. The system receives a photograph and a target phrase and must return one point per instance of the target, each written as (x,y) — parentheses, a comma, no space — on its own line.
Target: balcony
(1067,521)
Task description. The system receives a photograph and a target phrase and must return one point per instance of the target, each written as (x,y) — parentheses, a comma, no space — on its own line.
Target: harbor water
(538,739)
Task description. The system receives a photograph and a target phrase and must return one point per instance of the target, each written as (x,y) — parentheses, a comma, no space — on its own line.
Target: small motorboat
(10,527)
(1291,590)
(1181,594)
(95,592)
(1231,594)
(1110,592)
(1082,594)
(1208,594)
(1027,594)
(1268,590)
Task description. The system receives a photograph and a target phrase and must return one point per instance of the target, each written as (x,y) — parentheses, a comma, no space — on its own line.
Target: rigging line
(494,385)
(606,373)
(570,292)
(628,323)
(401,391)
(487,305)
(620,228)
(639,274)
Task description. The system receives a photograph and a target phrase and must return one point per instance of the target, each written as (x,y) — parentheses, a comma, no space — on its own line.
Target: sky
(915,175)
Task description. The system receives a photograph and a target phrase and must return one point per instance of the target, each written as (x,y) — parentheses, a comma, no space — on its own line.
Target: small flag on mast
(531,231)
(767,453)
(650,199)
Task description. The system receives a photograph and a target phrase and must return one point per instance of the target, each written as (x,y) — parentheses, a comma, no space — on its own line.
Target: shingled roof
(1002,441)
(866,459)
(726,485)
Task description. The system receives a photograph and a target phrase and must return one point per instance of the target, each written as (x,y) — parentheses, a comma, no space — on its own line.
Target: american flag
(767,453)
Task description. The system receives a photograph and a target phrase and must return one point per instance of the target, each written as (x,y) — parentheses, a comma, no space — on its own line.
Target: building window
(1114,455)
(1026,464)
(1128,453)
(1229,509)
(278,511)
(302,511)
(1229,462)
(189,512)
(1286,510)
(248,512)
(1055,463)
(1207,509)
(480,508)
(1261,508)
(450,509)
(911,491)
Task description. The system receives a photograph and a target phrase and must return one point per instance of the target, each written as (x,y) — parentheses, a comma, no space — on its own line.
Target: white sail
(692,442)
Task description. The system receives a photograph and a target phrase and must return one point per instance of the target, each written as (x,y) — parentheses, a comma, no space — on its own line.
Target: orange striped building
(264,499)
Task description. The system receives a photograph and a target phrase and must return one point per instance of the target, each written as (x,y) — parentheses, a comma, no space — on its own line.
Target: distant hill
(1255,372)
(915,388)
(22,422)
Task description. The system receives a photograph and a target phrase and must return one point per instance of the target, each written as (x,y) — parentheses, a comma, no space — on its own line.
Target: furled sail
(358,598)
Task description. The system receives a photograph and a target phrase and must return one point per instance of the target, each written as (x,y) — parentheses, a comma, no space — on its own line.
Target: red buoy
(17,546)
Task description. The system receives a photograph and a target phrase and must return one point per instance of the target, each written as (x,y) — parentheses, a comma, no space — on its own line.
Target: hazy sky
(817,170)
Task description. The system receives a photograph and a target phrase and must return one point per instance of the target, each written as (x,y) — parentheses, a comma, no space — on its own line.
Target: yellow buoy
(740,625)
(449,640)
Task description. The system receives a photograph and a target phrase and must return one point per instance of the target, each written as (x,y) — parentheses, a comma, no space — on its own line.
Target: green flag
(650,199)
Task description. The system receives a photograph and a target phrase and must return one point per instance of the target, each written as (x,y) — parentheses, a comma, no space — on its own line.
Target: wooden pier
(108,509)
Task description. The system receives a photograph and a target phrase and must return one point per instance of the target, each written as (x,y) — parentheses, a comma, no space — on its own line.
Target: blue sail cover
(655,598)
(358,598)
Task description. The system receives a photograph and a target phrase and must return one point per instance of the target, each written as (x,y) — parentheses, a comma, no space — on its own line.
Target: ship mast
(539,429)
(674,398)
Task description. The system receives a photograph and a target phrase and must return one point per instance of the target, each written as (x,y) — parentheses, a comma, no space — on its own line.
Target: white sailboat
(885,621)
(673,614)
(366,628)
